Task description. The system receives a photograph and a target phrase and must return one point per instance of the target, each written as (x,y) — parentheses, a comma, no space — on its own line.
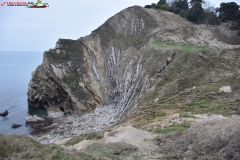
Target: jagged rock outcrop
(101,77)
(108,67)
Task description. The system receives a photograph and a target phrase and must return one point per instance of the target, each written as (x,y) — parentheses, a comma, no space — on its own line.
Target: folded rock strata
(101,77)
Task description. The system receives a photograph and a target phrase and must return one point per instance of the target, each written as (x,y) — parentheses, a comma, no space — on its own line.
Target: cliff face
(108,67)
(107,73)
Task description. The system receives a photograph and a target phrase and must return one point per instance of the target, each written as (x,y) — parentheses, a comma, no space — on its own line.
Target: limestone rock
(16,125)
(4,113)
(33,118)
(227,89)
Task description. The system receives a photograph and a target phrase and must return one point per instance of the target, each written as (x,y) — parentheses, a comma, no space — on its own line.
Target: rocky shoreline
(72,125)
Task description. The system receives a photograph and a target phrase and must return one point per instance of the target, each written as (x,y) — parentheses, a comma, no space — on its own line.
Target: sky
(28,29)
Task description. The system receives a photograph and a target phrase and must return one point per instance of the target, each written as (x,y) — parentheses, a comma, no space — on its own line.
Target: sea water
(15,74)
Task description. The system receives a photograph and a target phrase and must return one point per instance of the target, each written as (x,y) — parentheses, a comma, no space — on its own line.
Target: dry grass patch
(209,139)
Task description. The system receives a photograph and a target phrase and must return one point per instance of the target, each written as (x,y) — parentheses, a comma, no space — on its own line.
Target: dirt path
(143,140)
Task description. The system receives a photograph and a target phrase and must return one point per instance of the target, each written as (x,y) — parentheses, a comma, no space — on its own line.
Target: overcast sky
(27,29)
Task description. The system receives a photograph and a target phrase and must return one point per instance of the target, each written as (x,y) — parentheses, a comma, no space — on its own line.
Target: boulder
(16,125)
(4,113)
(33,118)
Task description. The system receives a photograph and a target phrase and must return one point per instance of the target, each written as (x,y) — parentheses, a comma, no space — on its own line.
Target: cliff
(137,59)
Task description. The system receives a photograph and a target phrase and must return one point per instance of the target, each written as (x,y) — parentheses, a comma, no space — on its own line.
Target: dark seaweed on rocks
(41,127)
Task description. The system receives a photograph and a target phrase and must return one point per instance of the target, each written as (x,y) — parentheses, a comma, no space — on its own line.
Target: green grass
(183,47)
(161,44)
(23,147)
(72,81)
(186,115)
(60,155)
(77,139)
(81,137)
(174,128)
(57,58)
(191,47)
(199,102)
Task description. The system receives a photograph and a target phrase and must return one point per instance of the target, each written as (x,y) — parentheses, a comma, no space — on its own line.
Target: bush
(182,14)
(162,2)
(234,27)
(153,5)
(164,7)
(23,147)
(208,139)
(214,21)
(147,6)
(177,11)
(157,7)
(229,11)
(224,19)
(196,13)
(234,40)
(170,9)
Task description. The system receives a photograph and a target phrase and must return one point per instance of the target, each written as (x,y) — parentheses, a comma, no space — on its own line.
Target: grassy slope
(23,147)
(16,147)
(211,139)
(191,83)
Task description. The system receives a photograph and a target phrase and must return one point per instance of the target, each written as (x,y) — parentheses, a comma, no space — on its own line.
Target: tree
(162,2)
(228,10)
(192,2)
(237,23)
(210,16)
(164,7)
(196,13)
(182,4)
(147,6)
(237,15)
(154,5)
(171,3)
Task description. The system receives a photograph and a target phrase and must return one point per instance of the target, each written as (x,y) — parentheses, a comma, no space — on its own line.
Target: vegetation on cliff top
(200,11)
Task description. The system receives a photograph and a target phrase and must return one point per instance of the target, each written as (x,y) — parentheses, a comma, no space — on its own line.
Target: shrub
(23,147)
(196,13)
(147,6)
(153,5)
(208,139)
(164,7)
(162,2)
(229,11)
(234,27)
(211,18)
(177,10)
(171,9)
(234,40)
(214,21)
(224,19)
(182,14)
(157,7)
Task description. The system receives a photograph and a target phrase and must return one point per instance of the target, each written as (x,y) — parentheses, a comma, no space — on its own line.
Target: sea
(15,74)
